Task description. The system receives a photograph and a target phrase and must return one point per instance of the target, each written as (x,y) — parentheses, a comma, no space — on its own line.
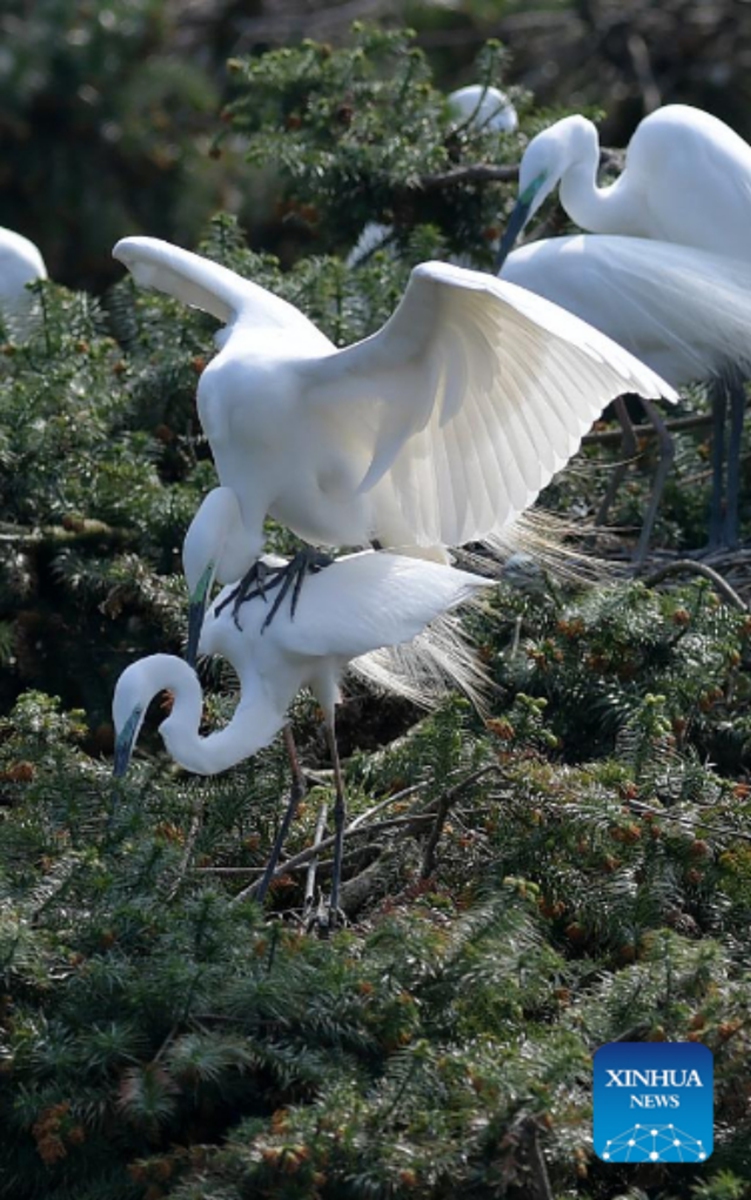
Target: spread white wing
(466,403)
(471,397)
(214,289)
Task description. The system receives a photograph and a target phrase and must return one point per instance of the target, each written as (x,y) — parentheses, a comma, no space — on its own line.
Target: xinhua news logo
(653,1102)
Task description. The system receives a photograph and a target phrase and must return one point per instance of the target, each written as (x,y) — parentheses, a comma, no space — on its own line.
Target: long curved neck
(599,210)
(254,723)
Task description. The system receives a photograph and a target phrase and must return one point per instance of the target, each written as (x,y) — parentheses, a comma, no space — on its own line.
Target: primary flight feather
(437,430)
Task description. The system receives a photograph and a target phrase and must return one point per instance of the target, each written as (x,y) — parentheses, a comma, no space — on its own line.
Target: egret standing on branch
(359,604)
(685,312)
(439,429)
(687,180)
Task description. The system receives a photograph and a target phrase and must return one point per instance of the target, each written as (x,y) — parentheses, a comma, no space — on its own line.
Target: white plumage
(687,179)
(486,107)
(358,604)
(686,183)
(20,263)
(438,430)
(685,312)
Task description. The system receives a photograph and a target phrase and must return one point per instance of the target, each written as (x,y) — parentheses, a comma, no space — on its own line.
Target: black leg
(718,396)
(737,395)
(297,791)
(628,453)
(667,455)
(340,816)
(261,579)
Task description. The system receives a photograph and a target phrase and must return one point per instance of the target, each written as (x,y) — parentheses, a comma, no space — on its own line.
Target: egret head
(216,546)
(545,160)
(134,691)
(128,710)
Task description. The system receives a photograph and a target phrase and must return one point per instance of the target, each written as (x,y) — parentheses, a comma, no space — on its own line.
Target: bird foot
(261,579)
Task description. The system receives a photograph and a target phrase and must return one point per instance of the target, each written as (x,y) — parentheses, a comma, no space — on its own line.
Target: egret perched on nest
(686,180)
(359,604)
(438,430)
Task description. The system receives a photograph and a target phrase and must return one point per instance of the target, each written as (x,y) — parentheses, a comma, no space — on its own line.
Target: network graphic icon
(654,1143)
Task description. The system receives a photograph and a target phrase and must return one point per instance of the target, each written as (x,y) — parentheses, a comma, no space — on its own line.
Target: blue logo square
(653,1102)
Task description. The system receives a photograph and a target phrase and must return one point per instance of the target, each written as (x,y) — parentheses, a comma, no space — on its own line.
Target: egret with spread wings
(439,429)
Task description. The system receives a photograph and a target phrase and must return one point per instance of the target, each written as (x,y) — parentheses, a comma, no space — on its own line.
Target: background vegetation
(571,868)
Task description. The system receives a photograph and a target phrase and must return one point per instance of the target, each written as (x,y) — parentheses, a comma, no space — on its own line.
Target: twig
(683,566)
(679,425)
(195,825)
(310,880)
(444,804)
(543,1190)
(304,856)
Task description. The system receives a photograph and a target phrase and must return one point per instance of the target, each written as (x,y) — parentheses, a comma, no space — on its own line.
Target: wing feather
(474,393)
(207,285)
(684,311)
(367,601)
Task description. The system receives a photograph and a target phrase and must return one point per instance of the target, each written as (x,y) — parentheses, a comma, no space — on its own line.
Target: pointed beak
(516,223)
(196,614)
(124,743)
(523,209)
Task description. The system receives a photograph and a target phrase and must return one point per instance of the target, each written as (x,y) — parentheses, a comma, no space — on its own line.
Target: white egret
(686,180)
(685,312)
(484,107)
(420,671)
(358,604)
(438,430)
(477,106)
(20,263)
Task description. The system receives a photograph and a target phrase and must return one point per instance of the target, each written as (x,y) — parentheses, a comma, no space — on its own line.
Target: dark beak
(123,752)
(516,223)
(196,613)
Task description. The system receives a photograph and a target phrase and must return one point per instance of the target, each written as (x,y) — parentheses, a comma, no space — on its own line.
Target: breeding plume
(358,604)
(686,181)
(437,430)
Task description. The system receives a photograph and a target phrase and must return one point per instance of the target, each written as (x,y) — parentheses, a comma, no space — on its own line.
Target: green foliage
(104,77)
(572,869)
(360,133)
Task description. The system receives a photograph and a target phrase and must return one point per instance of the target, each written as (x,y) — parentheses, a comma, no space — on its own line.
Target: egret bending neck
(610,209)
(254,723)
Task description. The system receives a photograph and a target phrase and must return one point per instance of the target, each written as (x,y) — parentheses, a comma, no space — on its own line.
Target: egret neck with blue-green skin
(686,179)
(520,214)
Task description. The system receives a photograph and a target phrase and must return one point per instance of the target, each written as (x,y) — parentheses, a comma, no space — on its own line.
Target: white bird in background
(20,263)
(476,107)
(684,312)
(686,180)
(438,430)
(484,107)
(358,604)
